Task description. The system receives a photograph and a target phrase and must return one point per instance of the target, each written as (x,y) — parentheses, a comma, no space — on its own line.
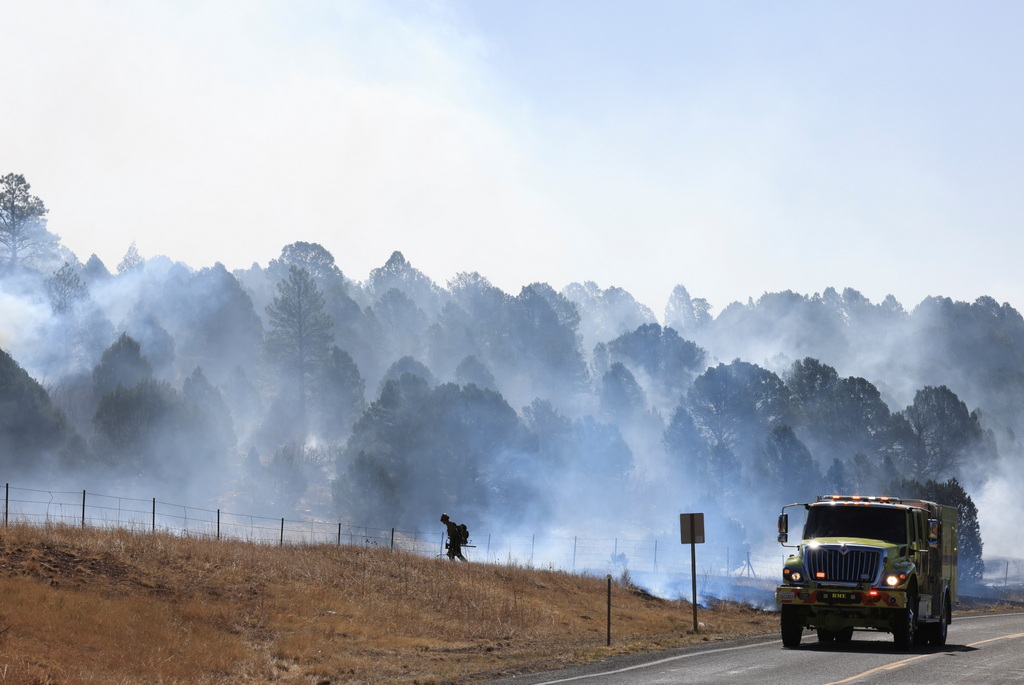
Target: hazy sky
(733,147)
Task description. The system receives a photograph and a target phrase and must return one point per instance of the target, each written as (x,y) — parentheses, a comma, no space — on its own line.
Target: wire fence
(661,566)
(82,508)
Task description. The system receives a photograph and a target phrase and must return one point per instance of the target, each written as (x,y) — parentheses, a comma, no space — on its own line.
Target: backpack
(463,534)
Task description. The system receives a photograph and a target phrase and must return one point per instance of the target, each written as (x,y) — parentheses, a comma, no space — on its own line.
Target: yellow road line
(900,664)
(996,639)
(879,669)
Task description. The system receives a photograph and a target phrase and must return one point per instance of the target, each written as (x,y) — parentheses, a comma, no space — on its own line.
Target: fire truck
(875,563)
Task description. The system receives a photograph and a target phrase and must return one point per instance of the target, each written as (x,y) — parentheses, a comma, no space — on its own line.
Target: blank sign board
(691,528)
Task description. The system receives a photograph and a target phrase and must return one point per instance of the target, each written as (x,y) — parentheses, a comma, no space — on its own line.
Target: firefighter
(454,538)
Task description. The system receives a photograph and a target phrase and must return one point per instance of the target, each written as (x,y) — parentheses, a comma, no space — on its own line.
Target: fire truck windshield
(877,523)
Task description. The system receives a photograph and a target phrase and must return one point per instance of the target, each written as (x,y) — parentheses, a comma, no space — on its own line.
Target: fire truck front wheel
(792,628)
(904,631)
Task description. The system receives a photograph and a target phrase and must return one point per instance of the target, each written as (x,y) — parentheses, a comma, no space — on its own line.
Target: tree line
(391,399)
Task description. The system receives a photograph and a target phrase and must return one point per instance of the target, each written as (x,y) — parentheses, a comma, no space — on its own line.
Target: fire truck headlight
(894,579)
(790,575)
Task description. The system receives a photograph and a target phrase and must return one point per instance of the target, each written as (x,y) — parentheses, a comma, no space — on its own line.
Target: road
(982,649)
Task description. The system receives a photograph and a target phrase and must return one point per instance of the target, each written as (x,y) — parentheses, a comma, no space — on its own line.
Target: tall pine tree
(300,333)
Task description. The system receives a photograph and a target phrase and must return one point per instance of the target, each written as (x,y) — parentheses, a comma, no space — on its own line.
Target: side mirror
(783,528)
(933,533)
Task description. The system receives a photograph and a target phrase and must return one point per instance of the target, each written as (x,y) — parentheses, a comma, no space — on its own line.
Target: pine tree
(301,332)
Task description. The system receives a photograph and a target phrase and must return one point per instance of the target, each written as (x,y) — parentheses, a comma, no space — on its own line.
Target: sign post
(691,530)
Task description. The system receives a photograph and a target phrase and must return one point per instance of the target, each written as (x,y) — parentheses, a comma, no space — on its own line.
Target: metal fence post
(609,643)
(83,508)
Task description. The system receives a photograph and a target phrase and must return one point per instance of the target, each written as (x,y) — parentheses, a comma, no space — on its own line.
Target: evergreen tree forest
(384,400)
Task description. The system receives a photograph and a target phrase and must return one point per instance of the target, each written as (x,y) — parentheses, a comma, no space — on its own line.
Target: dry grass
(111,606)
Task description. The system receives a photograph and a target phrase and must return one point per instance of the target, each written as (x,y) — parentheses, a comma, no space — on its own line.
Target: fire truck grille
(843,565)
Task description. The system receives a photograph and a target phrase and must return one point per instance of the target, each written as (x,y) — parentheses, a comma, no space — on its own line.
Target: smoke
(568,430)
(21,334)
(1000,508)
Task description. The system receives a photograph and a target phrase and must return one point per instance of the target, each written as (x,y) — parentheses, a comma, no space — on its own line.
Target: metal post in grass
(83,508)
(693,575)
(339,535)
(282,533)
(154,514)
(392,539)
(609,621)
(691,532)
(218,524)
(7,501)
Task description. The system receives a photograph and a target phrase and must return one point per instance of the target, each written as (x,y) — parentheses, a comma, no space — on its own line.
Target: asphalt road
(983,649)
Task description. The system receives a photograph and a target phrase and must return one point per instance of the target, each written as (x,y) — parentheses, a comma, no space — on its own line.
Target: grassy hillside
(111,606)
